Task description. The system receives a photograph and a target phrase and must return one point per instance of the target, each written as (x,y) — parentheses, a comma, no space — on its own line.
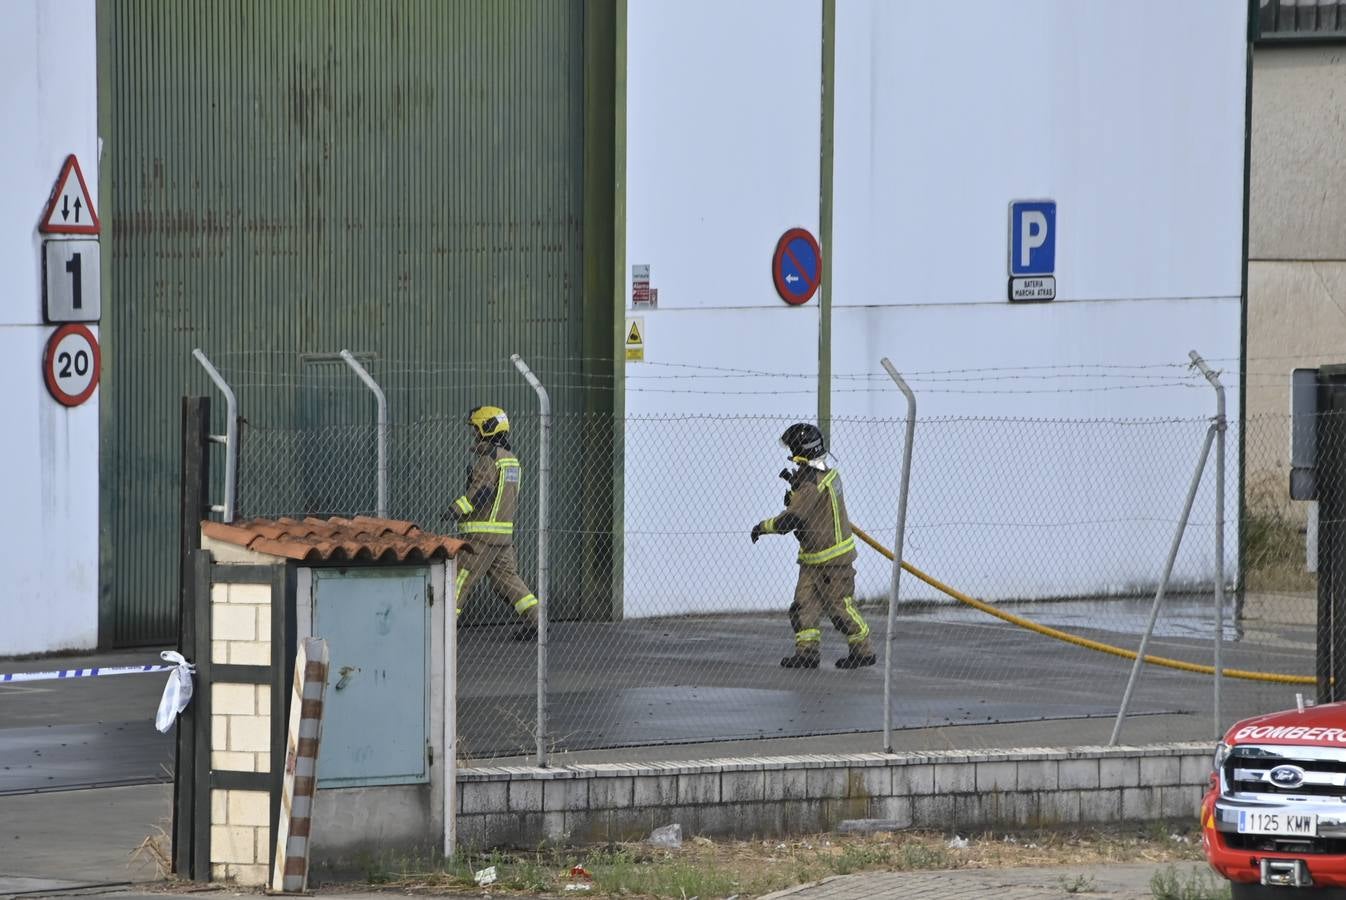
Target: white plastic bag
(178,691)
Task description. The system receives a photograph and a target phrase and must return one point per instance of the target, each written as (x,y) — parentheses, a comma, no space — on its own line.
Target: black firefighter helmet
(804,441)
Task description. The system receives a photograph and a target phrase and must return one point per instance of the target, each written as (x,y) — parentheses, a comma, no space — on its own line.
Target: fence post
(1330,474)
(193,507)
(1220,426)
(897,555)
(1163,584)
(381,503)
(543,486)
(230,439)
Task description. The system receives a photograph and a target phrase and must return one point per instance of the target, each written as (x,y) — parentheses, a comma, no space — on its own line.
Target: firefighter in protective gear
(815,511)
(485,514)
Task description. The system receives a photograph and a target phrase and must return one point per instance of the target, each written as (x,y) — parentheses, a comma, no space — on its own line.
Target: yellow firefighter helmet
(488,421)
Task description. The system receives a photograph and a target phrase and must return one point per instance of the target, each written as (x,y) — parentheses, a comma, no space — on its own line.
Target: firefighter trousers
(829,589)
(498,563)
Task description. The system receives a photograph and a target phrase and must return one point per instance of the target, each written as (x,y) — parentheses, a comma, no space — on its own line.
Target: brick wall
(743,798)
(240,728)
(240,627)
(240,836)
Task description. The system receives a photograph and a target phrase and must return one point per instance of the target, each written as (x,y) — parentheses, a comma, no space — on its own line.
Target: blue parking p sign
(1032,248)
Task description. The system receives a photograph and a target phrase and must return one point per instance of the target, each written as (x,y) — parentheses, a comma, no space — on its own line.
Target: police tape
(98,671)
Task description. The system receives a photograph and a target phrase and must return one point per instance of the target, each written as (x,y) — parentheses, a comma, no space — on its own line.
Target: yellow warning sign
(635,339)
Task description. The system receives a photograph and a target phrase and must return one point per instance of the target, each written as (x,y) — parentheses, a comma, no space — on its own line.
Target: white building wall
(1130,119)
(723,149)
(48,453)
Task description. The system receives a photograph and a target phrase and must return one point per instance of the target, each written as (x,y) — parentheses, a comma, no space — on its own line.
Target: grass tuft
(1170,884)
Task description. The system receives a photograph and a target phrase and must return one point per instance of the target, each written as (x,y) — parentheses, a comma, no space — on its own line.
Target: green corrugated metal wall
(403,179)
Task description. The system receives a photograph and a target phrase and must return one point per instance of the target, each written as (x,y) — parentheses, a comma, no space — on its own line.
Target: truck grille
(1289,771)
(1269,844)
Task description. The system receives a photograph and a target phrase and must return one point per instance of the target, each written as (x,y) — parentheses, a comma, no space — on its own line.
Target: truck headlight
(1221,754)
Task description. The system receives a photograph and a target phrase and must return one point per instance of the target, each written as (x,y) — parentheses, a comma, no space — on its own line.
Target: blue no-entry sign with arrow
(797,266)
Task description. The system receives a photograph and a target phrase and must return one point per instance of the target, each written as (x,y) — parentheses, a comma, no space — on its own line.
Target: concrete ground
(690,687)
(1120,882)
(53,841)
(689,680)
(84,732)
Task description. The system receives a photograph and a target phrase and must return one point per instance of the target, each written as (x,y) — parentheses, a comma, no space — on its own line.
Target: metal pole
(1220,426)
(450,714)
(381,503)
(1163,585)
(897,556)
(230,438)
(826,192)
(543,485)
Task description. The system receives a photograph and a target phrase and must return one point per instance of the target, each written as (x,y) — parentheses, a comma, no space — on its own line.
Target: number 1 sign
(70,287)
(71,364)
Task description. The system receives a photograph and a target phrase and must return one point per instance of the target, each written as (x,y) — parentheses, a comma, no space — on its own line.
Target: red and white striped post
(290,874)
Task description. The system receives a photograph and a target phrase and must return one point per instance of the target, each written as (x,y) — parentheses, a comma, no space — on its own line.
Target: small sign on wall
(70,286)
(635,339)
(797,266)
(642,295)
(69,208)
(71,364)
(1032,251)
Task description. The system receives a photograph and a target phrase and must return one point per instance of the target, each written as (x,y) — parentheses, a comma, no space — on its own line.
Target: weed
(858,857)
(911,855)
(1273,543)
(155,850)
(707,868)
(1170,884)
(1080,884)
(621,873)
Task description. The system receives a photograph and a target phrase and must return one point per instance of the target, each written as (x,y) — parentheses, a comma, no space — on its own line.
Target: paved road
(1118,882)
(677,683)
(57,735)
(657,682)
(87,836)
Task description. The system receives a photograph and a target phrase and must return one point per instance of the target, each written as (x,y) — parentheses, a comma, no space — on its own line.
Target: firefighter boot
(806,656)
(526,630)
(860,655)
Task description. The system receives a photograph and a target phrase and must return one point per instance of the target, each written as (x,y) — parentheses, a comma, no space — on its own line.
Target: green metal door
(399,178)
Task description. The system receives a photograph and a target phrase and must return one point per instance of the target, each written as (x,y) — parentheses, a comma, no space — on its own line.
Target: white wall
(1131,119)
(722,158)
(49,454)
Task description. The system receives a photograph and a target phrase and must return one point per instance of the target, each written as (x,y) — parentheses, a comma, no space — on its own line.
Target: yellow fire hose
(1075,639)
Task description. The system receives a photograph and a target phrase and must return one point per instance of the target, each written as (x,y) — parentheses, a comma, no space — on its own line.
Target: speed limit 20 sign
(71,364)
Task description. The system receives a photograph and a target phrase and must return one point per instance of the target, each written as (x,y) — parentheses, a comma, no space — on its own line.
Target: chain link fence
(668,623)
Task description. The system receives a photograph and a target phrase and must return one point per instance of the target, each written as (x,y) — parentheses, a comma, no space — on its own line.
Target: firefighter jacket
(486,508)
(815,511)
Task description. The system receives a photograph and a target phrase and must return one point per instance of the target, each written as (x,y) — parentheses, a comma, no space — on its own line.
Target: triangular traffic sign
(70,208)
(633,336)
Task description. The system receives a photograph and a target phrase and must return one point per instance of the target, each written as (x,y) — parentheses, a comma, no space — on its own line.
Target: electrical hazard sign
(70,208)
(635,339)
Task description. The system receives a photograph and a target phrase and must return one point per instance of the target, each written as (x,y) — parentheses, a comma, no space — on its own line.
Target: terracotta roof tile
(363,538)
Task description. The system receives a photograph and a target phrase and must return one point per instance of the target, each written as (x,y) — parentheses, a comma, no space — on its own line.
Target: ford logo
(1286,776)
